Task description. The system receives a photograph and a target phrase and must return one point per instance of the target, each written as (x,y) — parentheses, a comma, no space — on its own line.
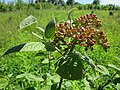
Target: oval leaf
(102,69)
(68,69)
(50,29)
(3,83)
(31,46)
(14,49)
(28,23)
(32,77)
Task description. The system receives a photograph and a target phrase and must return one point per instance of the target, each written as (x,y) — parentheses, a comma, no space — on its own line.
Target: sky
(116,2)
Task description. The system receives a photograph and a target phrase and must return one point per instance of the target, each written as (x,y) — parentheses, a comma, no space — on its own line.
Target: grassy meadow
(17,63)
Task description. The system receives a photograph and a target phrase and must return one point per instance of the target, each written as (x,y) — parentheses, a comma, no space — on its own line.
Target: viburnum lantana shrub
(62,38)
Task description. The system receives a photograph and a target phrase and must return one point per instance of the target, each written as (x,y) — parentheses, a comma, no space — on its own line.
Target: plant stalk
(49,62)
(109,80)
(60,84)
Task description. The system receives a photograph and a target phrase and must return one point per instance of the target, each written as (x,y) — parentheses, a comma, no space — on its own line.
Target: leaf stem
(60,84)
(49,56)
(108,81)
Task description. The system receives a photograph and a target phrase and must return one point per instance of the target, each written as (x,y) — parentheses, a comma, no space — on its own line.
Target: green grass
(28,62)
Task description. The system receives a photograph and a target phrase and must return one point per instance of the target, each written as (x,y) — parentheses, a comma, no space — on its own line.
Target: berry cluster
(82,31)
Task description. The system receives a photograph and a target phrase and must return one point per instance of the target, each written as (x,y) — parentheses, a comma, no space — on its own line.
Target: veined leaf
(28,23)
(50,29)
(31,46)
(71,68)
(34,46)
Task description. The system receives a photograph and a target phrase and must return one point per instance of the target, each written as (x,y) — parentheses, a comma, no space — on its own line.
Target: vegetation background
(13,65)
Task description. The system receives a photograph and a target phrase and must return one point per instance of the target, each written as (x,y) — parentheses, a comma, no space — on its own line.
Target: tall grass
(9,36)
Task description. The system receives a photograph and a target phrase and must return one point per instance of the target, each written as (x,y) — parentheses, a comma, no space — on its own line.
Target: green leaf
(20,76)
(69,13)
(49,46)
(49,82)
(102,69)
(46,87)
(113,66)
(116,80)
(14,49)
(87,85)
(28,23)
(50,29)
(56,78)
(69,67)
(30,77)
(118,86)
(45,61)
(3,83)
(48,79)
(31,46)
(56,54)
(68,84)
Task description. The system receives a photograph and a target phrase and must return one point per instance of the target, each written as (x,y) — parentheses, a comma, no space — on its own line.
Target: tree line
(58,4)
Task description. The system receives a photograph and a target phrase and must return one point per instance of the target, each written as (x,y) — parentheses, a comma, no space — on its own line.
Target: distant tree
(30,1)
(61,2)
(19,4)
(96,2)
(10,5)
(70,2)
(39,1)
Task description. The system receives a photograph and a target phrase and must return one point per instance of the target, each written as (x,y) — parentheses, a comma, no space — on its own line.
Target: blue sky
(116,2)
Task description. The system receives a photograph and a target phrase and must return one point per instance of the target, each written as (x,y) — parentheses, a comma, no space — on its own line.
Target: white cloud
(116,2)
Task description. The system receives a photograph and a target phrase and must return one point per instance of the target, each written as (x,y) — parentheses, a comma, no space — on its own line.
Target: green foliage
(96,2)
(70,2)
(35,66)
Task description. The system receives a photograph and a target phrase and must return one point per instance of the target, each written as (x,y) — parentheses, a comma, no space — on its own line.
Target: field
(13,65)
